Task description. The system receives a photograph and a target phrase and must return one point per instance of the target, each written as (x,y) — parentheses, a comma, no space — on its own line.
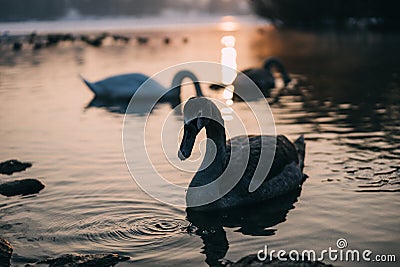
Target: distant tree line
(20,10)
(321,13)
(17,10)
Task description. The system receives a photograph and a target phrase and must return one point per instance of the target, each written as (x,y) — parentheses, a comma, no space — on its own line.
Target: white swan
(124,86)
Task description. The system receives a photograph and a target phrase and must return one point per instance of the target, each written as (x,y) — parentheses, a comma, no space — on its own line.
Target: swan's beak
(189,137)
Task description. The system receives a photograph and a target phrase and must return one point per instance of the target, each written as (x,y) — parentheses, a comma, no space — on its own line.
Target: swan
(284,176)
(124,86)
(262,77)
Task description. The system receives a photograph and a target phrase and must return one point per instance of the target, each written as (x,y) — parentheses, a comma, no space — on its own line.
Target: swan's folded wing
(285,153)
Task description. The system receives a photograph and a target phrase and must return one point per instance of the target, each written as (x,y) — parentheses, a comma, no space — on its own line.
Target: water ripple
(148,224)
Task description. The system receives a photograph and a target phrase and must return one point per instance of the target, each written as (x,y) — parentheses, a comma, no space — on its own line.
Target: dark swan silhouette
(285,174)
(124,86)
(261,77)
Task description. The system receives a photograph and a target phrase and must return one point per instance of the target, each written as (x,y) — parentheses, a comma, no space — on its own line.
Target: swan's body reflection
(122,106)
(256,220)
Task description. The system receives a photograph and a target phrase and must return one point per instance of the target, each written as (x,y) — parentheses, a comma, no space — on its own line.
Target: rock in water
(21,187)
(5,252)
(253,261)
(13,165)
(75,260)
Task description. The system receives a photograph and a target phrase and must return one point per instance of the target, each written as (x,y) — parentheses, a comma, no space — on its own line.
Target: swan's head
(197,113)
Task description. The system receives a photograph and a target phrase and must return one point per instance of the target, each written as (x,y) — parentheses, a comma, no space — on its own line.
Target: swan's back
(125,85)
(244,83)
(263,78)
(285,153)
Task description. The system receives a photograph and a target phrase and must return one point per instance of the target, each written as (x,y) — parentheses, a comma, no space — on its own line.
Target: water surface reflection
(344,98)
(255,220)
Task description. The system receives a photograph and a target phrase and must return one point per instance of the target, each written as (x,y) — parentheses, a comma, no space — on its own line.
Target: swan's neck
(177,82)
(274,62)
(215,149)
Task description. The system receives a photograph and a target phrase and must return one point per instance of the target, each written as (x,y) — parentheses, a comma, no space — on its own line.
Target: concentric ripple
(115,225)
(157,228)
(146,229)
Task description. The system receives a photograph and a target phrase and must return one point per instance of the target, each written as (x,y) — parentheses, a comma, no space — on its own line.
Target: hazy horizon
(45,10)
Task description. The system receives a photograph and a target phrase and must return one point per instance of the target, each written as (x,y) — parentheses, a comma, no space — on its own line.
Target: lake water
(345,99)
